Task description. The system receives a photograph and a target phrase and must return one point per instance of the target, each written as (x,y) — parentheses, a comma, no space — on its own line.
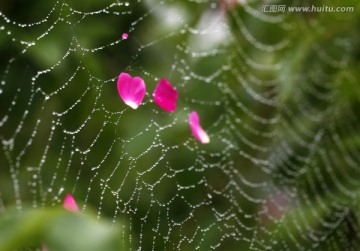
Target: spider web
(277,92)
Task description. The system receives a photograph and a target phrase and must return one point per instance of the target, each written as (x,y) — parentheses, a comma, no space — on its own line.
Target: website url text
(273,8)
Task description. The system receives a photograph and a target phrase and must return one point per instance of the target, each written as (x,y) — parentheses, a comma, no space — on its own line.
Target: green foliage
(59,230)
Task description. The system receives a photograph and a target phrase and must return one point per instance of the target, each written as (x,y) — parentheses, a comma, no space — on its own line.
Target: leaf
(58,230)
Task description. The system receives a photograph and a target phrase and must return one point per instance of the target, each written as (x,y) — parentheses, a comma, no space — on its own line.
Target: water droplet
(226,68)
(127,4)
(61,190)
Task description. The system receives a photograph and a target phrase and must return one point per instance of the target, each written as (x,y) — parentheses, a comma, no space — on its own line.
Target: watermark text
(275,8)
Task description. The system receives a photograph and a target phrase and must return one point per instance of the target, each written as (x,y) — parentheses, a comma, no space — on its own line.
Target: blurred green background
(278,94)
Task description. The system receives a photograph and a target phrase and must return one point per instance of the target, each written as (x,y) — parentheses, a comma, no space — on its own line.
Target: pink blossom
(196,128)
(125,36)
(165,95)
(131,90)
(70,204)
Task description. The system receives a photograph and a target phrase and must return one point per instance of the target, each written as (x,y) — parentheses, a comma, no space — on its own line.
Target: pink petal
(196,128)
(70,204)
(131,90)
(125,36)
(44,248)
(165,95)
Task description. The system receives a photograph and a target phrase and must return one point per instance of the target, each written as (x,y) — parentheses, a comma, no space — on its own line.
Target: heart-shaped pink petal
(70,204)
(131,90)
(165,95)
(196,128)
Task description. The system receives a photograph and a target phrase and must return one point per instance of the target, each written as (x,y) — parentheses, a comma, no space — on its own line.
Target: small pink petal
(131,90)
(196,128)
(125,36)
(70,204)
(165,95)
(44,248)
